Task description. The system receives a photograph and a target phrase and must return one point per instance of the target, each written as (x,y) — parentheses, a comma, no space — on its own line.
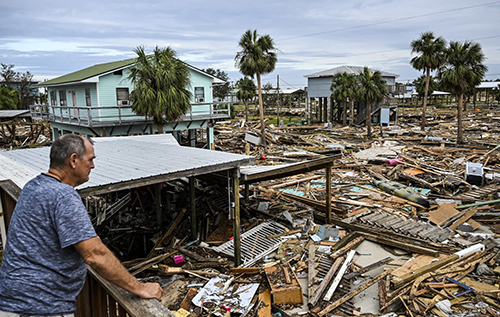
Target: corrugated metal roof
(346,69)
(100,69)
(14,113)
(123,161)
(488,84)
(88,72)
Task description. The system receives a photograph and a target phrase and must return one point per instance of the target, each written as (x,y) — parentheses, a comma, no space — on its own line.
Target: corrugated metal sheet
(123,159)
(14,113)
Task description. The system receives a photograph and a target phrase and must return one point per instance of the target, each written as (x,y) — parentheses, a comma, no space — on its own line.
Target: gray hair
(64,147)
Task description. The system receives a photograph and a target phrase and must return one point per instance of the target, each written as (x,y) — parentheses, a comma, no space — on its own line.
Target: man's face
(84,165)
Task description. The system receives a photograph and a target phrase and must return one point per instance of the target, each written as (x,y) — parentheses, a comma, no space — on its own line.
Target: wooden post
(236,217)
(192,137)
(328,194)
(157,189)
(247,191)
(192,205)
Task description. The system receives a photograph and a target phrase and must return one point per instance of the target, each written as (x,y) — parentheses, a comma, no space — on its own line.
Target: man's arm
(100,258)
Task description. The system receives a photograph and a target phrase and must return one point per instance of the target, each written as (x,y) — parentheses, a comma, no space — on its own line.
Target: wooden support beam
(157,192)
(192,207)
(401,245)
(328,195)
(236,217)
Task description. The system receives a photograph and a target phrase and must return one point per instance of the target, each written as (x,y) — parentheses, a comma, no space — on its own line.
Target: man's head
(74,155)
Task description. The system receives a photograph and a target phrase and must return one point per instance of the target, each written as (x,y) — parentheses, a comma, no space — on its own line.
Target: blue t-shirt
(42,272)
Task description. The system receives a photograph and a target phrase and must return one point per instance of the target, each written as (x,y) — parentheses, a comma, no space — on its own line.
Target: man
(51,241)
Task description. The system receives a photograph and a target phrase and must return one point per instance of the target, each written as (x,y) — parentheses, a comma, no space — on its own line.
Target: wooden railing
(117,115)
(98,298)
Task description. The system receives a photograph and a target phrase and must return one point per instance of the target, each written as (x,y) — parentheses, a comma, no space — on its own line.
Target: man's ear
(72,160)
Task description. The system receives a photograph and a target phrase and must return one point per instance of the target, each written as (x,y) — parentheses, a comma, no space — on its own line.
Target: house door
(75,111)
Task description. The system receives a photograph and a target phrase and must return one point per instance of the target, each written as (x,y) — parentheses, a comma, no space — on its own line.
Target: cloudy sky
(54,37)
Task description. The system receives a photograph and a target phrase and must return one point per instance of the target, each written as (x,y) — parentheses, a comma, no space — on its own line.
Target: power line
(391,50)
(393,20)
(368,25)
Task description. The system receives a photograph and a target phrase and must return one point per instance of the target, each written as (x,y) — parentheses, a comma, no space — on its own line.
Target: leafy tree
(371,88)
(256,57)
(161,83)
(222,90)
(420,83)
(27,94)
(430,56)
(269,96)
(7,74)
(246,92)
(9,98)
(343,88)
(463,69)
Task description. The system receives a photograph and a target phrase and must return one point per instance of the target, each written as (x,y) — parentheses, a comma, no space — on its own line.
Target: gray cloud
(56,37)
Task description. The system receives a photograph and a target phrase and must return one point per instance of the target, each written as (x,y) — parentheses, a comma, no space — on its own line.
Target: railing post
(89,116)
(119,114)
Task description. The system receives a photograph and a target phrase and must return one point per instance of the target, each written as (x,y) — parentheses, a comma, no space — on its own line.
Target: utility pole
(278,101)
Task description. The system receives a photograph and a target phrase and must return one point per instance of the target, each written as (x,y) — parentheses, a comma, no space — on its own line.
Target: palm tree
(256,57)
(371,88)
(161,83)
(430,56)
(246,92)
(463,70)
(421,82)
(343,88)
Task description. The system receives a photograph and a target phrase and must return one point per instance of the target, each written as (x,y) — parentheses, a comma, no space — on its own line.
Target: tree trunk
(246,110)
(368,118)
(160,128)
(352,112)
(459,120)
(426,92)
(261,110)
(344,114)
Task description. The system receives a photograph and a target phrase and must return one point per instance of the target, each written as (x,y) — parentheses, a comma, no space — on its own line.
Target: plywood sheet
(443,213)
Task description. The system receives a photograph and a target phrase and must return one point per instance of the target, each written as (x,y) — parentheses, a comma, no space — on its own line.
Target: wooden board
(443,213)
(416,263)
(264,308)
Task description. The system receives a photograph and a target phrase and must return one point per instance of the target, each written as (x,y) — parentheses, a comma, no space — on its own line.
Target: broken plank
(347,297)
(399,281)
(466,216)
(313,299)
(339,276)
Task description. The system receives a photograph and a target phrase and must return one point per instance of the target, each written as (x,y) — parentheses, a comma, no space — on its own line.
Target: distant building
(321,106)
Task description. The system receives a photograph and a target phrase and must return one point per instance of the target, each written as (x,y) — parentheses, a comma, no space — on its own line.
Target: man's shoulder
(47,186)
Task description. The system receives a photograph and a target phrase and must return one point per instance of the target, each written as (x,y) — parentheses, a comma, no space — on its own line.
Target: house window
(62,98)
(122,96)
(199,94)
(87,97)
(53,98)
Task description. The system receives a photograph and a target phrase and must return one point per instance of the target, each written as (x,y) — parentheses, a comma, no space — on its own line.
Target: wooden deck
(119,115)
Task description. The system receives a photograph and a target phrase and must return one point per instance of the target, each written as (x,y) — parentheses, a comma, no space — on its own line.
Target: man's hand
(151,290)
